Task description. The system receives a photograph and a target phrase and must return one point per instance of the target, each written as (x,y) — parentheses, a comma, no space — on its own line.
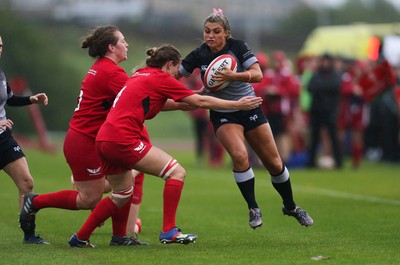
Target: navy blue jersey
(202,57)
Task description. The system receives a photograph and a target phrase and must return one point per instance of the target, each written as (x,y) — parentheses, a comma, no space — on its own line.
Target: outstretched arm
(172,105)
(22,101)
(208,102)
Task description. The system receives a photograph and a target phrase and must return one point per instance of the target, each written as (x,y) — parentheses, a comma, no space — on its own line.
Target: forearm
(208,102)
(250,76)
(172,105)
(18,101)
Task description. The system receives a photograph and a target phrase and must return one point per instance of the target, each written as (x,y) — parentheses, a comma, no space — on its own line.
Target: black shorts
(248,119)
(9,149)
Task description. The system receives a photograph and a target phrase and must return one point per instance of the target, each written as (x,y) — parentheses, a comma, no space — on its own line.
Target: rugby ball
(218,64)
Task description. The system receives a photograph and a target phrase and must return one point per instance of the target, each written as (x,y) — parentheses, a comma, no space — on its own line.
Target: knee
(26,185)
(121,197)
(275,166)
(173,170)
(179,173)
(240,161)
(88,202)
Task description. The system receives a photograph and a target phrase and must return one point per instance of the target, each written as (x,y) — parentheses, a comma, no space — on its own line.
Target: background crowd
(322,110)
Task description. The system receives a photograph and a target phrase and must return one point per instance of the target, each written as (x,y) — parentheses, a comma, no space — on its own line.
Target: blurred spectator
(351,120)
(324,88)
(382,132)
(279,89)
(307,67)
(259,89)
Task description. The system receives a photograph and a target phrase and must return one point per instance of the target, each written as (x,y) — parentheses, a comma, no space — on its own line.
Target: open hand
(249,102)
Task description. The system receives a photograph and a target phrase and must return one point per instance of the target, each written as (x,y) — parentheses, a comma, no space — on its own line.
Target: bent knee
(87,202)
(172,170)
(26,185)
(179,173)
(275,166)
(240,161)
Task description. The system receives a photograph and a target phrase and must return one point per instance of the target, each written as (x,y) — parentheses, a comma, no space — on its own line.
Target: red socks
(104,209)
(65,199)
(172,194)
(357,152)
(120,220)
(138,189)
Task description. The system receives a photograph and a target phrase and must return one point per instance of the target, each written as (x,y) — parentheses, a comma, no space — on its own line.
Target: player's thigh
(231,136)
(262,142)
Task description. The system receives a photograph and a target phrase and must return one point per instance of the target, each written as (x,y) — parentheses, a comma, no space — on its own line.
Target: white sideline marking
(347,195)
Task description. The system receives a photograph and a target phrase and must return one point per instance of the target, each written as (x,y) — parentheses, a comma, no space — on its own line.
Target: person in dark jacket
(324,88)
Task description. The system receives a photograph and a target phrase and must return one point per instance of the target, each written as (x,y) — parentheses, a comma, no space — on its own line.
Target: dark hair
(219,17)
(99,39)
(158,56)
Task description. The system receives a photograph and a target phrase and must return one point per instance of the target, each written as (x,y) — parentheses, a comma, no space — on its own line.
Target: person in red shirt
(100,86)
(122,146)
(352,109)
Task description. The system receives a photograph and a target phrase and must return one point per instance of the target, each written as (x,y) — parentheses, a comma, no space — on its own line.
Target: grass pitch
(356,215)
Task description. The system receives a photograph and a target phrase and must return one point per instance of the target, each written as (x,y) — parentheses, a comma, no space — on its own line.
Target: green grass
(356,216)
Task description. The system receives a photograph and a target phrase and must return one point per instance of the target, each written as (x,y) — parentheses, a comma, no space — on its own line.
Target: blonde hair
(218,17)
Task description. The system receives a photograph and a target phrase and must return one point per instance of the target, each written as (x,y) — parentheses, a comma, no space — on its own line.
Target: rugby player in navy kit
(12,159)
(232,128)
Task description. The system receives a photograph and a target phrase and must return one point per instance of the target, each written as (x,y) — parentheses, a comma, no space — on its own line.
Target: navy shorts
(248,119)
(9,149)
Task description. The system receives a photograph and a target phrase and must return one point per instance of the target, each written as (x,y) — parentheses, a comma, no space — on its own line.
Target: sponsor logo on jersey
(223,120)
(17,149)
(94,171)
(140,147)
(254,117)
(141,74)
(92,72)
(204,68)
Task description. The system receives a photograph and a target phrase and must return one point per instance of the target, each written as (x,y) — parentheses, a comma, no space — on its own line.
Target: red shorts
(118,157)
(81,156)
(352,117)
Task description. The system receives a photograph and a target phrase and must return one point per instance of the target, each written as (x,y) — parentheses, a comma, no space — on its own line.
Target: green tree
(304,19)
(376,11)
(30,52)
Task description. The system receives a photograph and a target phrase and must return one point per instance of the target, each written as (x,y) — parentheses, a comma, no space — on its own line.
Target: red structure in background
(20,88)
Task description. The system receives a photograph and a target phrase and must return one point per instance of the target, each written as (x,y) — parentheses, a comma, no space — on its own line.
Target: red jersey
(142,97)
(99,88)
(378,80)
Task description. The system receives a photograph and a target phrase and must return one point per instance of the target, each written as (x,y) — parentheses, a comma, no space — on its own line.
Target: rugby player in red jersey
(122,146)
(99,88)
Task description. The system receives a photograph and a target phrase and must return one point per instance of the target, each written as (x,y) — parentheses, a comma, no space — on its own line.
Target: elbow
(202,105)
(257,78)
